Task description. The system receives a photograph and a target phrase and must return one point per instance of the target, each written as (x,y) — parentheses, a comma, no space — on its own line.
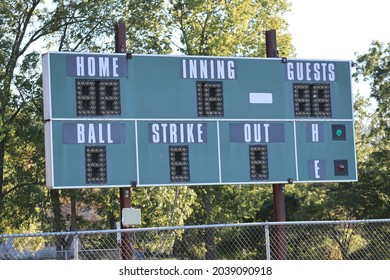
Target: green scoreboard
(112,120)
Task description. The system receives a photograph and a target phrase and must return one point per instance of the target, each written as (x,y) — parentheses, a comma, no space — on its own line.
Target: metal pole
(76,247)
(278,189)
(270,43)
(267,242)
(120,37)
(126,237)
(124,193)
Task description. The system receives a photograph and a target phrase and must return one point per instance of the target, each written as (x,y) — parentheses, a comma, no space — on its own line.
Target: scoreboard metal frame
(112,120)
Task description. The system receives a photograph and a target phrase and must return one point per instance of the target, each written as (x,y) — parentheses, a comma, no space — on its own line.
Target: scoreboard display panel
(112,120)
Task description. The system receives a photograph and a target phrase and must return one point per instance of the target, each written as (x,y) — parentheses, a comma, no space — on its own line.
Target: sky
(336,29)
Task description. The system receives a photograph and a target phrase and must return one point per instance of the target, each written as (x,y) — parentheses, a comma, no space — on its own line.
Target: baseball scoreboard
(112,120)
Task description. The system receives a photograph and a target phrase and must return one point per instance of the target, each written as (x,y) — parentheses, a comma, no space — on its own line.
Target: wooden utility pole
(125,192)
(278,189)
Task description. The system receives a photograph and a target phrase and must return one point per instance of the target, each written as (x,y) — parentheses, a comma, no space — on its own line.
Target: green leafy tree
(197,27)
(229,28)
(369,198)
(21,130)
(187,23)
(147,26)
(225,28)
(25,25)
(374,67)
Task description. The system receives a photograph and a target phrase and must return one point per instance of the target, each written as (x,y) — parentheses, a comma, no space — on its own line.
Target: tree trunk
(111,217)
(57,223)
(211,247)
(73,211)
(2,156)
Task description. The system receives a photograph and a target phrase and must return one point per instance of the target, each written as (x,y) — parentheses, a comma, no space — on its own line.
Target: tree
(374,67)
(147,26)
(22,24)
(202,27)
(369,198)
(225,28)
(25,25)
(229,28)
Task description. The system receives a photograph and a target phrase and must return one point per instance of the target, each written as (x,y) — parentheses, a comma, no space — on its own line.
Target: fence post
(76,247)
(267,242)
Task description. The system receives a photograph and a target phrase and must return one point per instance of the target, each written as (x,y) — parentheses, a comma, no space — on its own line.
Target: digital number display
(98,98)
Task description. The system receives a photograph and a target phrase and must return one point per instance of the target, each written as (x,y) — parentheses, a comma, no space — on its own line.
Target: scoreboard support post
(124,192)
(278,189)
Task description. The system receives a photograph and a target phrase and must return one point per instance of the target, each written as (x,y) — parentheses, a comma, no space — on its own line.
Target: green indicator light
(339,132)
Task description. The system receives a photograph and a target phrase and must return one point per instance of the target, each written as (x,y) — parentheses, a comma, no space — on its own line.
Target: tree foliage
(198,27)
(194,27)
(369,198)
(226,28)
(21,130)
(229,28)
(374,67)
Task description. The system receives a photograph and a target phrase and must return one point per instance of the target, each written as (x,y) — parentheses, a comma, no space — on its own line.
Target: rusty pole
(278,189)
(124,192)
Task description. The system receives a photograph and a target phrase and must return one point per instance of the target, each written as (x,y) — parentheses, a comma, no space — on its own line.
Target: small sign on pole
(131,216)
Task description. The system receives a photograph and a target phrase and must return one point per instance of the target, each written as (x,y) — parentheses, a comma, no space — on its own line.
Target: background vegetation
(193,27)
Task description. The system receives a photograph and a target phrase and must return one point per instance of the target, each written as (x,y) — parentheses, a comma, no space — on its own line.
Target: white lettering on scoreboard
(317,169)
(199,68)
(96,66)
(172,133)
(94,133)
(310,71)
(256,132)
(88,134)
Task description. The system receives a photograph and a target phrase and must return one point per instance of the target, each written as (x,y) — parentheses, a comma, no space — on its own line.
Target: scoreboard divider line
(136,150)
(296,151)
(219,154)
(200,119)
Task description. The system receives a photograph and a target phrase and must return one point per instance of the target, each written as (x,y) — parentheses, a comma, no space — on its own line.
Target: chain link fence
(325,240)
